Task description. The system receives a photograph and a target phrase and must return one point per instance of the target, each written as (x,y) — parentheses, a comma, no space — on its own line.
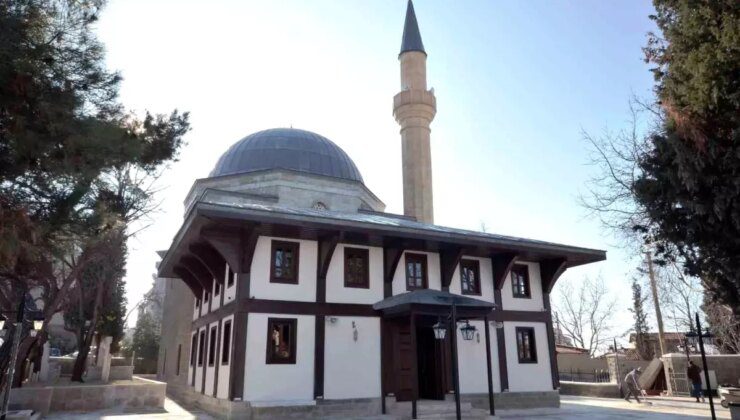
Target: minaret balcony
(414,103)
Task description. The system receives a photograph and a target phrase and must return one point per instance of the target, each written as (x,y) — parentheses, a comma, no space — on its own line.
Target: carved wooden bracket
(391,257)
(327,245)
(211,259)
(502,264)
(189,280)
(448,260)
(198,270)
(550,271)
(248,246)
(226,244)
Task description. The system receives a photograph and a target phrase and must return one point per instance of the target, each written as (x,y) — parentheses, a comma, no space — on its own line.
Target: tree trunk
(86,341)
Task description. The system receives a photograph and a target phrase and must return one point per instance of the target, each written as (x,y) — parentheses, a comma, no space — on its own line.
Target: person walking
(632,384)
(693,372)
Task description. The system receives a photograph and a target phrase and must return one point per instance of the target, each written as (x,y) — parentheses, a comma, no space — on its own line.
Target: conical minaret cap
(411,37)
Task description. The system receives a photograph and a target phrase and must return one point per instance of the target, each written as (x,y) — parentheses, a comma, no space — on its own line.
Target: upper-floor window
(281,340)
(525,345)
(230,276)
(520,281)
(356,268)
(284,266)
(416,271)
(193,349)
(216,287)
(470,277)
(205,298)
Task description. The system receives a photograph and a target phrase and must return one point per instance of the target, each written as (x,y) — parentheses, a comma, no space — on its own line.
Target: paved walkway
(571,408)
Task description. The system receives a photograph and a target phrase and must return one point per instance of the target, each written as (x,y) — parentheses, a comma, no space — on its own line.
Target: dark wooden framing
(503,367)
(364,255)
(270,358)
(523,270)
(530,331)
(295,249)
(502,264)
(411,257)
(474,265)
(449,259)
(391,257)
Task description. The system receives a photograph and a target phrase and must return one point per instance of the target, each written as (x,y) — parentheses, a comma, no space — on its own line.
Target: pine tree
(641,325)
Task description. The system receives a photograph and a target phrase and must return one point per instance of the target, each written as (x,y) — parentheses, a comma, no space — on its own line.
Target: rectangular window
(470,277)
(216,287)
(226,345)
(193,349)
(281,340)
(205,298)
(416,271)
(356,268)
(526,348)
(201,347)
(520,281)
(197,303)
(179,353)
(284,266)
(230,276)
(212,347)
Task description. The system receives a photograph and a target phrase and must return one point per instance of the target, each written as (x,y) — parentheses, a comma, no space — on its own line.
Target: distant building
(673,342)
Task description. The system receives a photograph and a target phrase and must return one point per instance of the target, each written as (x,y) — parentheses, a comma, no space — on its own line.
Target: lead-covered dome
(287,148)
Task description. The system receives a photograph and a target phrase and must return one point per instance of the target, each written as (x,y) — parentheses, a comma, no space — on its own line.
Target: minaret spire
(411,37)
(414,109)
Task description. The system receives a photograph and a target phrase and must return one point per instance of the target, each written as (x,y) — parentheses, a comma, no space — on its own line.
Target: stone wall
(624,366)
(177,318)
(588,389)
(140,393)
(513,400)
(121,372)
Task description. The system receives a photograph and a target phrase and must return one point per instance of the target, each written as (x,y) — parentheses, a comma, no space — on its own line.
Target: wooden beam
(449,258)
(550,271)
(327,245)
(391,257)
(248,245)
(189,280)
(211,260)
(502,264)
(226,244)
(551,343)
(503,369)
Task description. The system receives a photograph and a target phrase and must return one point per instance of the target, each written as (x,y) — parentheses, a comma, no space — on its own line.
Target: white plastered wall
(535,303)
(486,279)
(472,361)
(433,275)
(215,298)
(224,370)
(304,291)
(335,290)
(279,384)
(211,370)
(524,377)
(203,304)
(352,368)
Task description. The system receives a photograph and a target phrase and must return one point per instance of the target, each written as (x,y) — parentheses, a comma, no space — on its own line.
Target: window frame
(532,345)
(414,257)
(230,276)
(364,254)
(201,346)
(296,249)
(475,266)
(270,356)
(212,341)
(523,270)
(226,344)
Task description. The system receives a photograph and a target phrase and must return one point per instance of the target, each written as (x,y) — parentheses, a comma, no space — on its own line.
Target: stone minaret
(414,108)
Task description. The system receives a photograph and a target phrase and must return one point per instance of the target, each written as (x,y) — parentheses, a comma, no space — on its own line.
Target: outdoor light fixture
(2,322)
(38,323)
(440,330)
(468,331)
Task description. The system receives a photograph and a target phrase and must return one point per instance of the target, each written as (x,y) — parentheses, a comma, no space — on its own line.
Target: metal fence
(595,376)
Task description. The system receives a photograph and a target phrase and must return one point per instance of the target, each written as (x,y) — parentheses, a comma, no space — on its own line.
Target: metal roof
(287,148)
(411,37)
(431,297)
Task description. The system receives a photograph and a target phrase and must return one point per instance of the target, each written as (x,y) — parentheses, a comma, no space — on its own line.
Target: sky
(516,84)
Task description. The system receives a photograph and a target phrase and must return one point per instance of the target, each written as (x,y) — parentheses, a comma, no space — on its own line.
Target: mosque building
(290,290)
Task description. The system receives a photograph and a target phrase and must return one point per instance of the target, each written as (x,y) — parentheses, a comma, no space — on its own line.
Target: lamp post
(698,337)
(468,332)
(37,324)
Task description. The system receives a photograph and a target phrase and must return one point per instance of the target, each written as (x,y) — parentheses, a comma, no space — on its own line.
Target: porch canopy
(433,302)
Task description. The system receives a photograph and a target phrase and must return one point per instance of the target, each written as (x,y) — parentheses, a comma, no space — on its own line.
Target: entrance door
(430,359)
